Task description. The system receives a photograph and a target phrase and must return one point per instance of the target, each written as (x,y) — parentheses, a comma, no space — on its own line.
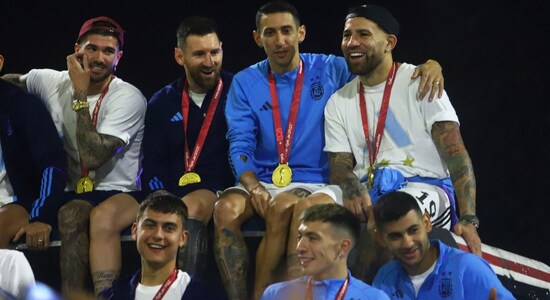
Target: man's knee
(74,213)
(280,209)
(229,208)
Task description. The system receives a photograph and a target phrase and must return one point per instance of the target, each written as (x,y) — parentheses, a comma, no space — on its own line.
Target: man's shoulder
(369,291)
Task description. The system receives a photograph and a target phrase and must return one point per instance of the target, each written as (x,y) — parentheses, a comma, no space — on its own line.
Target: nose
(351,41)
(209,60)
(408,241)
(158,232)
(280,38)
(301,246)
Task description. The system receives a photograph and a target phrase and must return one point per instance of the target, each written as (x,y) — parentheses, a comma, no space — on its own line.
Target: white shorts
(431,199)
(333,191)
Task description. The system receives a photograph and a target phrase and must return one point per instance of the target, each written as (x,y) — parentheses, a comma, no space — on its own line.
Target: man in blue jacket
(32,168)
(424,269)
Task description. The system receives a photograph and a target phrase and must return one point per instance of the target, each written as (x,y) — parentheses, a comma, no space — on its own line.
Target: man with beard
(101,119)
(423,268)
(380,138)
(275,119)
(184,146)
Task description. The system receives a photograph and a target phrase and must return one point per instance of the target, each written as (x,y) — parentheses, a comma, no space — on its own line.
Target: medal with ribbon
(282,175)
(190,159)
(85,183)
(379,131)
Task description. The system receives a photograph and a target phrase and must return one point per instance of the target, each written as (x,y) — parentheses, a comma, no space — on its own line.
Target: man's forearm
(17,79)
(341,174)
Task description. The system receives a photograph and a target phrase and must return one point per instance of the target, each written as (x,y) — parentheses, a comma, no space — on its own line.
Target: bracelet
(255,187)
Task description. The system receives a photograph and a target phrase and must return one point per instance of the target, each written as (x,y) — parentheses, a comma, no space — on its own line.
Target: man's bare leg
(12,218)
(294,268)
(273,245)
(107,220)
(230,212)
(193,256)
(74,222)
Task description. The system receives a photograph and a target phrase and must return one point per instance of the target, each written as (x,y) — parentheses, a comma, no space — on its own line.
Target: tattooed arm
(447,138)
(94,148)
(355,195)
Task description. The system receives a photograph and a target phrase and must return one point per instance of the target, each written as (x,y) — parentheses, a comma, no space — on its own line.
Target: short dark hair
(278,6)
(195,25)
(393,206)
(337,215)
(164,202)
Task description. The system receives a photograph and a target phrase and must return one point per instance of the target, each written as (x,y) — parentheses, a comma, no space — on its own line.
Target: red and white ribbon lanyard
(166,285)
(339,295)
(379,132)
(284,149)
(83,171)
(191,160)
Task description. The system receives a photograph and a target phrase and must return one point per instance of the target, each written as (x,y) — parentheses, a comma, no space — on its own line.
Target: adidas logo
(266,106)
(177,117)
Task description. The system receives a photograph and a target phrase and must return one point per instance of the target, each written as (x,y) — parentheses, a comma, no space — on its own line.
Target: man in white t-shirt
(160,232)
(101,120)
(380,138)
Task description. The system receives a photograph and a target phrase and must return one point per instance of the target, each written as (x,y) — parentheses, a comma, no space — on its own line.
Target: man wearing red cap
(101,120)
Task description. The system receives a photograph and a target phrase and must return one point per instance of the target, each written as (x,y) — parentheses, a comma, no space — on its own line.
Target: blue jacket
(250,117)
(33,153)
(163,142)
(457,275)
(325,289)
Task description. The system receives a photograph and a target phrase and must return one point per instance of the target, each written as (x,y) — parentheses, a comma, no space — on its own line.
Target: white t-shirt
(15,272)
(407,143)
(121,114)
(175,292)
(418,280)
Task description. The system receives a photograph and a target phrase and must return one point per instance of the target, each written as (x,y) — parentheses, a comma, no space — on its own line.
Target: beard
(205,84)
(99,78)
(364,67)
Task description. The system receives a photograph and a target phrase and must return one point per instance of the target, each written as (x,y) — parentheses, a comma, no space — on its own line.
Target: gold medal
(282,176)
(188,178)
(84,185)
(370,178)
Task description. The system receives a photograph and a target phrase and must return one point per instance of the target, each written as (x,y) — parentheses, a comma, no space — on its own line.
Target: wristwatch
(78,105)
(470,219)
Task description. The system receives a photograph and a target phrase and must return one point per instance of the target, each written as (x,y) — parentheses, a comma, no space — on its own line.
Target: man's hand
(79,71)
(469,233)
(38,235)
(260,197)
(493,294)
(359,205)
(431,79)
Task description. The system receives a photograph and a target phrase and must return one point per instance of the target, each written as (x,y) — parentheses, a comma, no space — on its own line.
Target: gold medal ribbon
(85,183)
(379,131)
(190,160)
(282,175)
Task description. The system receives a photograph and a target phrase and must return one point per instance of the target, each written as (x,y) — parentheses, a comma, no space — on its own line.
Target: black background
(494,55)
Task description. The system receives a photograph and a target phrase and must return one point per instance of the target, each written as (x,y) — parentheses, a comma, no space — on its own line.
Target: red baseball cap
(105,24)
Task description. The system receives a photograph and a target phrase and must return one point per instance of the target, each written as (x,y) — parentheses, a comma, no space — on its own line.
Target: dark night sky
(492,52)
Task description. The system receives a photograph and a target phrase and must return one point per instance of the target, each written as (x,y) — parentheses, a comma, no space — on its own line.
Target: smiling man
(424,269)
(100,118)
(326,236)
(160,232)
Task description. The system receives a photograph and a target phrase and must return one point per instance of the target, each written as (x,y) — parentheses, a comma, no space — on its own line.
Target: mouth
(155,247)
(305,260)
(356,55)
(410,254)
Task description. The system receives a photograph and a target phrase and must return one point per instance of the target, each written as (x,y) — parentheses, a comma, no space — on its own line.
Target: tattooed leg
(370,257)
(74,220)
(293,264)
(229,245)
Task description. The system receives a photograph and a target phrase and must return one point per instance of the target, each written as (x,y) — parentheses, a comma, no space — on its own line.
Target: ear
(1,62)
(134,231)
(345,247)
(178,56)
(183,238)
(257,38)
(379,238)
(76,47)
(301,33)
(427,222)
(391,41)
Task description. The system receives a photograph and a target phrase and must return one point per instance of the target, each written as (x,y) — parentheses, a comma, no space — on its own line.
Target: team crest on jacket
(445,288)
(316,90)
